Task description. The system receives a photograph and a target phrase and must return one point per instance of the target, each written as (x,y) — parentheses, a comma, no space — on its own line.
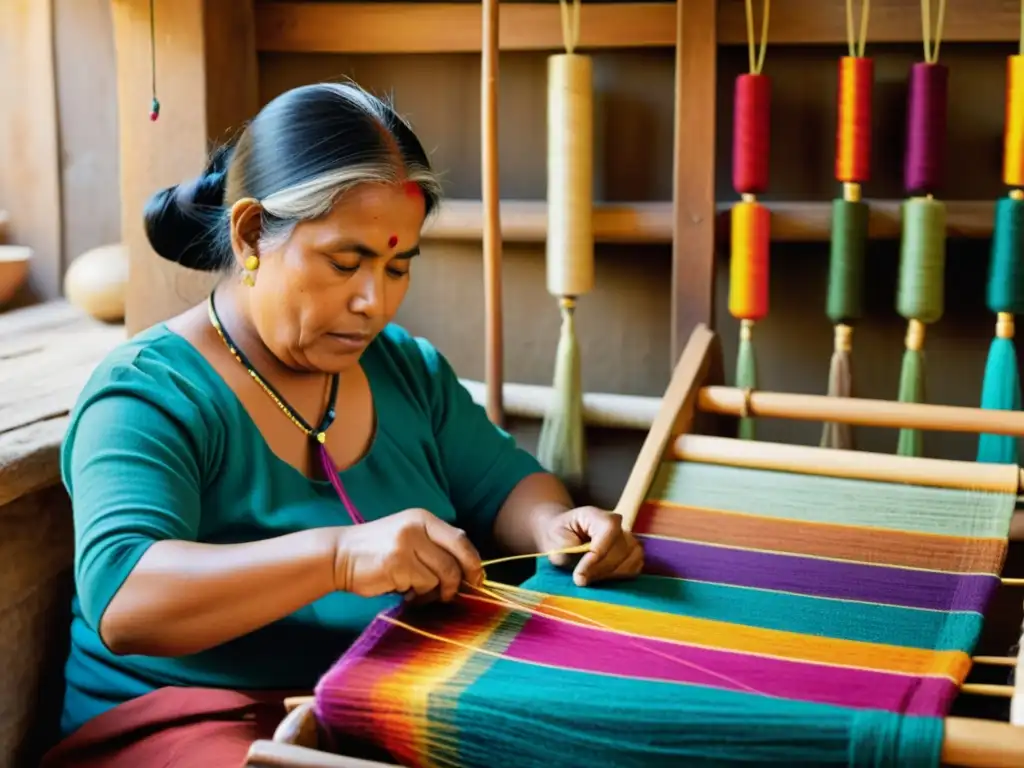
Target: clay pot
(14,261)
(97,281)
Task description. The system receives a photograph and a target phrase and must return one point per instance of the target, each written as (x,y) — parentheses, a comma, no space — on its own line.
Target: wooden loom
(691,398)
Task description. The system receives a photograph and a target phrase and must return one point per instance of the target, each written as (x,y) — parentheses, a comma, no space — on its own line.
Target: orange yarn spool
(853,129)
(748,268)
(1013,136)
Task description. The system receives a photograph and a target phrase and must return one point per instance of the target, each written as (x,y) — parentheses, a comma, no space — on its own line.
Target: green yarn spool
(920,299)
(1000,390)
(845,300)
(921,293)
(1006,268)
(746,374)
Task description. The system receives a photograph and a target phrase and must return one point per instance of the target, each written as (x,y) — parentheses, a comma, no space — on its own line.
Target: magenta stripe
(820,578)
(546,641)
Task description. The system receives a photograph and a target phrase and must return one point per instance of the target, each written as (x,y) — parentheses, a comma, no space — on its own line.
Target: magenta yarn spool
(923,164)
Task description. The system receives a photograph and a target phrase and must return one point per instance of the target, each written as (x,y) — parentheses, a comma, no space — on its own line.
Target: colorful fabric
(780,619)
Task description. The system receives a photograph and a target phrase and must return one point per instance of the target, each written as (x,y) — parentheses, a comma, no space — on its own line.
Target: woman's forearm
(523,518)
(183,597)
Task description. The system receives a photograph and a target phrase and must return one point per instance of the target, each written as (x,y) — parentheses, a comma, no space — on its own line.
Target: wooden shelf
(525,221)
(384,27)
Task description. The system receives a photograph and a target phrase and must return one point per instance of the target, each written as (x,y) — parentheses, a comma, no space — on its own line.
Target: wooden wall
(625,324)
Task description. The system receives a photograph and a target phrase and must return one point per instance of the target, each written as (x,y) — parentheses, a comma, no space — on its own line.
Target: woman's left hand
(614,553)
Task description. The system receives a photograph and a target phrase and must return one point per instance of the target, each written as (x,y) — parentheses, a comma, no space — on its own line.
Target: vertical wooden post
(206,80)
(30,189)
(693,193)
(491,194)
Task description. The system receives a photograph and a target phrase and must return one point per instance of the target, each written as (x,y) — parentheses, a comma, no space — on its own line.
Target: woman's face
(322,296)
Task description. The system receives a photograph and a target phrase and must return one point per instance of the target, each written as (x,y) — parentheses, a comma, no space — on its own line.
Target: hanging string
(931,55)
(750,237)
(570,26)
(1001,386)
(154,106)
(850,214)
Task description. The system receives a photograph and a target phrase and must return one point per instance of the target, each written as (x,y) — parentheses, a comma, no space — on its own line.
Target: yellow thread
(857,49)
(757,65)
(575,550)
(931,55)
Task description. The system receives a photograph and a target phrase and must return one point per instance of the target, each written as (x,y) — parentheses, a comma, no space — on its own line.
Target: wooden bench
(47,353)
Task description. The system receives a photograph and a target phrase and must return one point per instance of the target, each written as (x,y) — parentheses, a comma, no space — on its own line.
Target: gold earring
(252,263)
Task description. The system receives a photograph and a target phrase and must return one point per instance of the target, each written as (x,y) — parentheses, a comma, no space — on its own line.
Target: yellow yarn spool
(561,447)
(570,245)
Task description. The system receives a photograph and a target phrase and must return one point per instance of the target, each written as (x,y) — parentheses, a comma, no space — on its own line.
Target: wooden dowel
(294,702)
(493,350)
(980,743)
(862,412)
(995,661)
(985,689)
(1013,582)
(859,465)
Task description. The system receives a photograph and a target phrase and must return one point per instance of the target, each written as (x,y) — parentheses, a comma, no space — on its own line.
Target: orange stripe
(765,642)
(838,542)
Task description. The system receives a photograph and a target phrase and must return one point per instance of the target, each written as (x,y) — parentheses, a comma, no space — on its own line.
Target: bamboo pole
(493,350)
(861,411)
(858,465)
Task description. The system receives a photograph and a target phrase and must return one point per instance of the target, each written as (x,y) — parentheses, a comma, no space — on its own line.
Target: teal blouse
(158,447)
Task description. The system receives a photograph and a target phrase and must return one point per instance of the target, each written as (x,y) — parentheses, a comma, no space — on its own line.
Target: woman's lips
(350,342)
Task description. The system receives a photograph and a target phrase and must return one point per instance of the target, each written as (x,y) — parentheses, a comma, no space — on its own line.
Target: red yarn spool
(924,161)
(853,128)
(751,134)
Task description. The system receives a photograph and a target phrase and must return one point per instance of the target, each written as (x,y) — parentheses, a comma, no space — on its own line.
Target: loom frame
(682,416)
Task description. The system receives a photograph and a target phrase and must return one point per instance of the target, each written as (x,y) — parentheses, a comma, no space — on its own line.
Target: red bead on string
(751,128)
(923,164)
(853,128)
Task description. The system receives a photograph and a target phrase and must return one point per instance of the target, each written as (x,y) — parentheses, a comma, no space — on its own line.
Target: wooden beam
(693,181)
(206,83)
(409,27)
(30,188)
(525,221)
(453,27)
(823,22)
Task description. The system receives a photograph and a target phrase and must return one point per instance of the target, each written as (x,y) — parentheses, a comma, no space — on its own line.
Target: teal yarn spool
(845,301)
(1000,389)
(920,299)
(1005,291)
(921,292)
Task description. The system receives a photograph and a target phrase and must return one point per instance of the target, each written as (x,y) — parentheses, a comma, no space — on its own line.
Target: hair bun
(182,221)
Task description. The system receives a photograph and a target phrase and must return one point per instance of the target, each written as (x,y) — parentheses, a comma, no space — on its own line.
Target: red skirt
(173,728)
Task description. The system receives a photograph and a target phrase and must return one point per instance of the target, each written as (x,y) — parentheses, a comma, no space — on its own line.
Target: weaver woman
(255,479)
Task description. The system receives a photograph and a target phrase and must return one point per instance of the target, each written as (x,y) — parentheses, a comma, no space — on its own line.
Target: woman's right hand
(412,553)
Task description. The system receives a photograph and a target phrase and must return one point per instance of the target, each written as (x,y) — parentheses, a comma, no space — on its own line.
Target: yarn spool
(570,253)
(920,298)
(924,161)
(853,127)
(1013,136)
(1001,389)
(751,133)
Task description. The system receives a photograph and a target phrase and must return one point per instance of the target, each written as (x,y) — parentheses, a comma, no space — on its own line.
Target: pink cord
(332,474)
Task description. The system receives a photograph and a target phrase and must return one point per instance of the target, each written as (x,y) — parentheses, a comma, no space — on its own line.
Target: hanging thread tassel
(844,305)
(570,246)
(921,291)
(1001,389)
(750,222)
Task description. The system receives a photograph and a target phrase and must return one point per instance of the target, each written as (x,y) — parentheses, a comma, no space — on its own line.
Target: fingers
(445,570)
(457,544)
(614,553)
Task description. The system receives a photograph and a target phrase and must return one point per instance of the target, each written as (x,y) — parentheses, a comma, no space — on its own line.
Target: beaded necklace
(318,434)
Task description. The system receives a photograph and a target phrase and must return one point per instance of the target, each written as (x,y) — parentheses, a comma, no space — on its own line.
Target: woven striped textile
(781,619)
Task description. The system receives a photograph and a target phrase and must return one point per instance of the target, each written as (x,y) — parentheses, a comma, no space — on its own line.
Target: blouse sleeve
(131,463)
(482,463)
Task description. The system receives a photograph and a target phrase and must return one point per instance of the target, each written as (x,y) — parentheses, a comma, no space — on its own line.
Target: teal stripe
(812,498)
(547,718)
(905,627)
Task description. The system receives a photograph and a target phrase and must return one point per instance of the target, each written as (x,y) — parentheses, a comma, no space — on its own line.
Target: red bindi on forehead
(412,189)
(392,241)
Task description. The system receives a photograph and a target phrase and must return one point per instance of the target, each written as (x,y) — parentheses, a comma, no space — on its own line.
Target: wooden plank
(29,140)
(384,27)
(30,458)
(206,70)
(823,22)
(693,181)
(453,27)
(525,221)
